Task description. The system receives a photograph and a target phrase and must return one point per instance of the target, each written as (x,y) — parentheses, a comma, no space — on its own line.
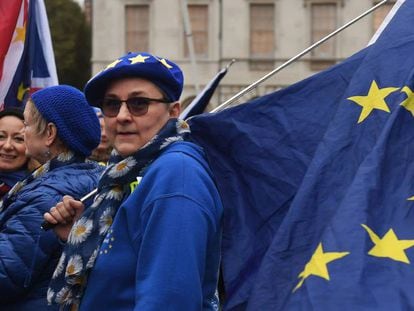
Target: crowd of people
(149,236)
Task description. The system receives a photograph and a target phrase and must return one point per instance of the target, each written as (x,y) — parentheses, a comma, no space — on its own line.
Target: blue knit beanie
(76,122)
(160,71)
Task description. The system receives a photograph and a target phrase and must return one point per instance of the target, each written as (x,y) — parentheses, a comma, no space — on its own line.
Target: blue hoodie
(163,249)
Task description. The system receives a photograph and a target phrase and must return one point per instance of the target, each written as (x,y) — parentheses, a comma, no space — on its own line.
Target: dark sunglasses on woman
(137,106)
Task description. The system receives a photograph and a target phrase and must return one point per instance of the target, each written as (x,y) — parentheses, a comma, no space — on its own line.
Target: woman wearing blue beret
(61,130)
(151,239)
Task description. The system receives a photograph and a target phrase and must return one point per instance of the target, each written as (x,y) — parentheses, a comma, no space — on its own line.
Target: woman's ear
(51,134)
(175,109)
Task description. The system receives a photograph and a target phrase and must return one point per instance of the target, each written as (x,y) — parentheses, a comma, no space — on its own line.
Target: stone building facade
(259,34)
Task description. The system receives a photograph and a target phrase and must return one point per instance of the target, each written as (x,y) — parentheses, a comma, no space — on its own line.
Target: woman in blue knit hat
(61,130)
(151,239)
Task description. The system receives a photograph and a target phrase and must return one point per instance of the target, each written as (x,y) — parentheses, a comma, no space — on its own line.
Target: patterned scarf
(88,232)
(62,159)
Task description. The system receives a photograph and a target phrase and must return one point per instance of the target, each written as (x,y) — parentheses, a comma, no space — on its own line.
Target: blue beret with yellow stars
(163,73)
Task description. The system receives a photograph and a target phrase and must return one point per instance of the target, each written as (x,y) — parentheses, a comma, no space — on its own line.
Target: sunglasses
(137,106)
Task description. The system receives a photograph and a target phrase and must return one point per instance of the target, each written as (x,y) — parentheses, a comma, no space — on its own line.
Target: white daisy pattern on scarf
(169,141)
(49,295)
(60,266)
(80,231)
(182,127)
(122,167)
(105,221)
(150,142)
(115,193)
(91,260)
(74,266)
(97,201)
(64,296)
(65,156)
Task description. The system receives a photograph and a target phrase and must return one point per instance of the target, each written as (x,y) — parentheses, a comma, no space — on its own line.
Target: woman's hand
(63,215)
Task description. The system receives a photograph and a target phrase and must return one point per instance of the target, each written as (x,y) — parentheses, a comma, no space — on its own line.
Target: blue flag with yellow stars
(316,181)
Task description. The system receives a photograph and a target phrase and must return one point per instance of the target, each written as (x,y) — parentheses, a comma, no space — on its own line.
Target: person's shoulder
(183,151)
(79,169)
(69,179)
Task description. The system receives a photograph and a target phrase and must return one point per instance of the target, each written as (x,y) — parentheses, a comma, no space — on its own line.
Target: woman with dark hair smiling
(13,159)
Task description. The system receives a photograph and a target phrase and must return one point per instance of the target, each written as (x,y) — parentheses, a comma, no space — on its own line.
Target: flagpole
(316,44)
(190,42)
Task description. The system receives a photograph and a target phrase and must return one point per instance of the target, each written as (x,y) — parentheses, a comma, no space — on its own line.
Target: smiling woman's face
(12,147)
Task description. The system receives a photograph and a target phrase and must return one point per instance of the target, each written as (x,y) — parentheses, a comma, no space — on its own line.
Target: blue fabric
(162,72)
(26,263)
(11,178)
(162,250)
(300,171)
(76,122)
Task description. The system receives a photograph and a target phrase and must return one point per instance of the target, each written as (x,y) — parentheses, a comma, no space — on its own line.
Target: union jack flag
(27,61)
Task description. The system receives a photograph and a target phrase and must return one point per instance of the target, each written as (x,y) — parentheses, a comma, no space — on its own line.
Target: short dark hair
(12,111)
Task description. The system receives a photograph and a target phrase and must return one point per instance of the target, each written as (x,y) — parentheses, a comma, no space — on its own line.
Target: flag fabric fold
(200,102)
(316,184)
(27,60)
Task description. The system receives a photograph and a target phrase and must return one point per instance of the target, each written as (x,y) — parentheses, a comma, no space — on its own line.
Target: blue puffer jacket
(28,255)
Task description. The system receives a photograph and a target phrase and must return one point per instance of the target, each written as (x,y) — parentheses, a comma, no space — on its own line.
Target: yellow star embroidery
(138,59)
(409,102)
(317,265)
(164,62)
(375,99)
(113,64)
(20,34)
(21,91)
(410,198)
(389,246)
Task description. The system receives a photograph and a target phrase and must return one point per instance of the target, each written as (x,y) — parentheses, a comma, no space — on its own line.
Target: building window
(199,28)
(136,28)
(262,36)
(380,14)
(323,22)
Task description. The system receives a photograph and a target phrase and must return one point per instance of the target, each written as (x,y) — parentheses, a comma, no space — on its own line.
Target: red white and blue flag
(27,61)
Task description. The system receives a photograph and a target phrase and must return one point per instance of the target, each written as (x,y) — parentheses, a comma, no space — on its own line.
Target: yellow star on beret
(113,64)
(164,62)
(138,59)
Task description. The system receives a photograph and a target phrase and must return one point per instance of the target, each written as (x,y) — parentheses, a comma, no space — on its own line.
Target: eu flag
(316,185)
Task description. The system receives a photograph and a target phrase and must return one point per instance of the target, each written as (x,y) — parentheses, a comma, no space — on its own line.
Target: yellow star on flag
(138,59)
(409,102)
(375,99)
(389,246)
(410,198)
(20,33)
(21,91)
(317,265)
(164,62)
(113,64)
